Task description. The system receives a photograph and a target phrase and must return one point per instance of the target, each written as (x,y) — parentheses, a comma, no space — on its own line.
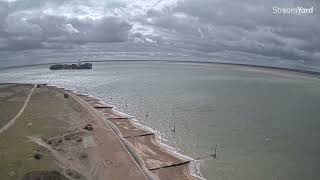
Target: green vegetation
(45,116)
(12,98)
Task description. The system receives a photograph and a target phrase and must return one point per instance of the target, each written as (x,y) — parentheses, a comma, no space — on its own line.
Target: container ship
(71,66)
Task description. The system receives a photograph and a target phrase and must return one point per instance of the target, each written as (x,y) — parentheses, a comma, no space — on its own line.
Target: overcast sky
(241,31)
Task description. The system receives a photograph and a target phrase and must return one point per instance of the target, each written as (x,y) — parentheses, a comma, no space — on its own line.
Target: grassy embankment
(46,115)
(12,97)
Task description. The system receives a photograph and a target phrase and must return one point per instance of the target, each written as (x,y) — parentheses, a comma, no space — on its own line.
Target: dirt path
(13,120)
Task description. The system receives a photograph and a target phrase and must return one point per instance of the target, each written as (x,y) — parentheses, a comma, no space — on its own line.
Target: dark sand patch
(153,155)
(127,129)
(180,172)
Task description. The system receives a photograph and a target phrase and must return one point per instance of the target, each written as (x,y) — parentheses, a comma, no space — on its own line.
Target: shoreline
(89,107)
(194,166)
(155,135)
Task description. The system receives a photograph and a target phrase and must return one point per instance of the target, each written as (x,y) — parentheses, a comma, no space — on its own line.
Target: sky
(240,31)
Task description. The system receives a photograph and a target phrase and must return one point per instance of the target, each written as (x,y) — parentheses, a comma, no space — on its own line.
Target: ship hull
(70,66)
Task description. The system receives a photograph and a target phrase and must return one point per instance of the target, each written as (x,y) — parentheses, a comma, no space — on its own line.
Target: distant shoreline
(309,72)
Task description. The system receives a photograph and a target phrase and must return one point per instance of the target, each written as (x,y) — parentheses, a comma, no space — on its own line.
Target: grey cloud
(246,25)
(50,31)
(4,11)
(24,26)
(200,28)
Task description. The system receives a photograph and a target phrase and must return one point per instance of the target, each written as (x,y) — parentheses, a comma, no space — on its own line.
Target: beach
(81,138)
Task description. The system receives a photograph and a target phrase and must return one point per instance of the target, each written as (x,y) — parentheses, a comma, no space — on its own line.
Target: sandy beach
(77,137)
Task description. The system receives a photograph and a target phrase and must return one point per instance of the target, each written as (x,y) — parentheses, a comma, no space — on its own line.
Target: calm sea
(264,123)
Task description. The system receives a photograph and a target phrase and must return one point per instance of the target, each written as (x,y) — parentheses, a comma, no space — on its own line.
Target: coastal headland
(50,132)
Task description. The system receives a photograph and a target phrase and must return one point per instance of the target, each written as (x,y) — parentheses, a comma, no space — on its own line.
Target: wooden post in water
(214,155)
(174,122)
(174,126)
(215,151)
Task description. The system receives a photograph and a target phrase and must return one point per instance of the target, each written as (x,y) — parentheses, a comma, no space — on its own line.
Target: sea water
(264,123)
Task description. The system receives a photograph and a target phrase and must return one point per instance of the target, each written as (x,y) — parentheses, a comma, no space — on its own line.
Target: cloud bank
(237,29)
